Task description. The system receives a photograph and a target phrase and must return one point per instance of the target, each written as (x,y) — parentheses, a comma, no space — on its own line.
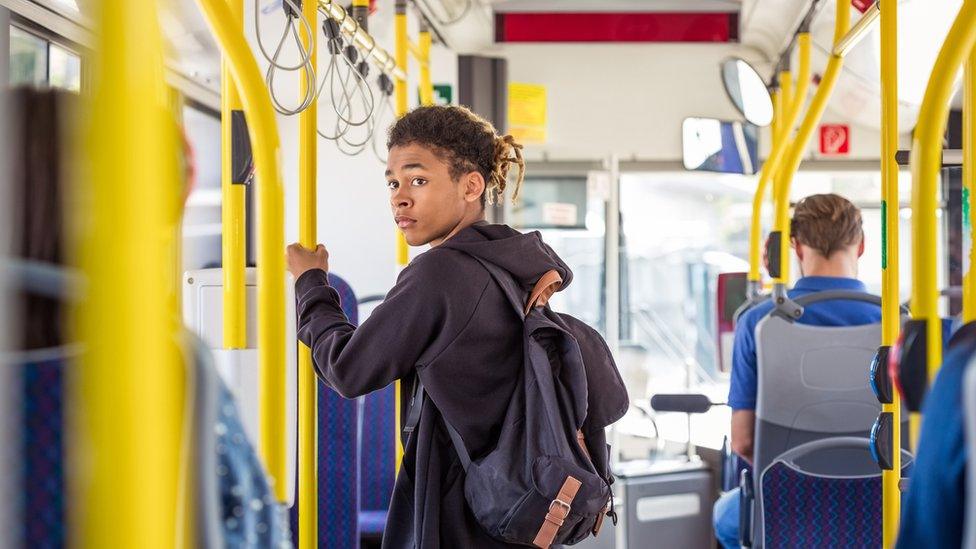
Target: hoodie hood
(525,256)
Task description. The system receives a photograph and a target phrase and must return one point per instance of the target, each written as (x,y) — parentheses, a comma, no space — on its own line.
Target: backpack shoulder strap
(548,284)
(413,419)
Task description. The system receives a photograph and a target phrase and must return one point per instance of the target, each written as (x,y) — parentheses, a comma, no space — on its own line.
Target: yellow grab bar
(426,86)
(402,250)
(127,390)
(786,117)
(263,131)
(890,308)
(308,483)
(926,163)
(786,96)
(802,79)
(793,157)
(232,210)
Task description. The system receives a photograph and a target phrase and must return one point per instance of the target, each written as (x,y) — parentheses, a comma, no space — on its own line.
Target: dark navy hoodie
(447,317)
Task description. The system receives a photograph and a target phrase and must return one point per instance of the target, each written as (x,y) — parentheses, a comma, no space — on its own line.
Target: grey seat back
(812,384)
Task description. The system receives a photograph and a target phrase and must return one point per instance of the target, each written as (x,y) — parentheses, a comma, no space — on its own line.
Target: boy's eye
(392,185)
(416,182)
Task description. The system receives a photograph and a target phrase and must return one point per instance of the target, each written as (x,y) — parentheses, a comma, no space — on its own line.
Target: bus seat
(812,385)
(340,428)
(42,480)
(377,463)
(825,493)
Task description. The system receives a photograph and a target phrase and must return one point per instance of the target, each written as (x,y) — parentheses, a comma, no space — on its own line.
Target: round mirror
(747,91)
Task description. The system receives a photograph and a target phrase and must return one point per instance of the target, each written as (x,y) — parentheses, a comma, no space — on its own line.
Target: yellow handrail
(426,86)
(926,163)
(786,96)
(232,210)
(793,157)
(127,391)
(890,308)
(802,78)
(402,250)
(380,57)
(263,131)
(786,117)
(308,482)
(969,186)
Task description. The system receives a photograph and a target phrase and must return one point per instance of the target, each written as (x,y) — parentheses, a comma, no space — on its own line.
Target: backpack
(547,481)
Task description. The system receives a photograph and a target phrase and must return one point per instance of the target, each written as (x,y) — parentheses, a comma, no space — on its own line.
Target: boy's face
(428,205)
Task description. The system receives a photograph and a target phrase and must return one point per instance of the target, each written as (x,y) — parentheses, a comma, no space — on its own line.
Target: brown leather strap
(582,442)
(547,285)
(558,511)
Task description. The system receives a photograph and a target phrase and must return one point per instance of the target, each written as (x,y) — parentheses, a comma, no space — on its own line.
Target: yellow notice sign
(527,112)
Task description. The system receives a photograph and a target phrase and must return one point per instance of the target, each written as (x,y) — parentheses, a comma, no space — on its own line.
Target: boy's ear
(474,186)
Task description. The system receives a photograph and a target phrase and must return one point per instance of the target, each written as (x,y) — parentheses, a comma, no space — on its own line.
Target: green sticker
(884,234)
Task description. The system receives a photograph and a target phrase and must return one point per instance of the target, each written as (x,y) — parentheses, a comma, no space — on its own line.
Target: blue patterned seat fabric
(251,517)
(339,433)
(801,510)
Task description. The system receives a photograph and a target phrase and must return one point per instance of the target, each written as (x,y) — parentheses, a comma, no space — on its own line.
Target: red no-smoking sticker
(862,5)
(835,139)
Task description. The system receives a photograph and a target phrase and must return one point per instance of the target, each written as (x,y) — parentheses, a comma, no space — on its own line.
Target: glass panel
(65,69)
(28,59)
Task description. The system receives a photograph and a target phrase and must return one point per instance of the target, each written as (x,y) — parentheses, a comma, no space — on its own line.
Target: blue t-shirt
(932,515)
(743,388)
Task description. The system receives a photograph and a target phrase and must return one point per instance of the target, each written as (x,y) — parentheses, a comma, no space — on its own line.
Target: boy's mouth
(405,222)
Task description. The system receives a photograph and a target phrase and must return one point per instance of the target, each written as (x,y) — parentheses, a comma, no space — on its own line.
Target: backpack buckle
(561,505)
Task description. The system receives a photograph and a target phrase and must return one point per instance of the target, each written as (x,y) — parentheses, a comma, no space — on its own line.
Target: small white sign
(668,507)
(559,214)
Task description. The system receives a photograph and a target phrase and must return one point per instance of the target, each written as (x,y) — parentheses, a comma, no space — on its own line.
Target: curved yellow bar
(126,397)
(232,210)
(783,117)
(786,96)
(926,163)
(969,186)
(802,80)
(263,131)
(765,176)
(308,478)
(793,157)
(890,308)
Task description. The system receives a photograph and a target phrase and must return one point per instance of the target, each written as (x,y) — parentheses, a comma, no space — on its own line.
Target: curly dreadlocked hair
(468,143)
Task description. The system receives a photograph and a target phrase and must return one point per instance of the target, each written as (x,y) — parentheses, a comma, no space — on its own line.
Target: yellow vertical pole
(232,209)
(308,524)
(263,131)
(890,309)
(802,79)
(402,251)
(767,173)
(786,97)
(798,145)
(785,116)
(969,183)
(126,394)
(426,86)
(926,163)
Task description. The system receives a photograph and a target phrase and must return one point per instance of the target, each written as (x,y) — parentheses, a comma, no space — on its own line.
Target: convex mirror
(747,91)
